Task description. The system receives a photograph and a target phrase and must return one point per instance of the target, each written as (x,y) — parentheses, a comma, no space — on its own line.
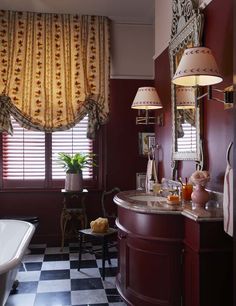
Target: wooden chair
(109,208)
(105,240)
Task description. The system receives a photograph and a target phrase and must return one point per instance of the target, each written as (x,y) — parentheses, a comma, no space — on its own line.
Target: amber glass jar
(187,190)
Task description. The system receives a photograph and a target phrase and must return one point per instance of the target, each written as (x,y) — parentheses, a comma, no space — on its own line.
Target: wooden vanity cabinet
(150,256)
(208,264)
(172,260)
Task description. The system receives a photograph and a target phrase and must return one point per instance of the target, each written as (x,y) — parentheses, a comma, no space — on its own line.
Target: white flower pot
(74,181)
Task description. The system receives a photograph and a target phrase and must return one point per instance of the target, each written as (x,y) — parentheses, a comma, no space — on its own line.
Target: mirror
(187,28)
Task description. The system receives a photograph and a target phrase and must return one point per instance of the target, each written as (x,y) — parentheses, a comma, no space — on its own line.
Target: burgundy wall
(47,205)
(217,122)
(164,133)
(123,159)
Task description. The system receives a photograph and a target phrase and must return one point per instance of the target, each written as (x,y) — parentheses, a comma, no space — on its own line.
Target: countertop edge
(122,199)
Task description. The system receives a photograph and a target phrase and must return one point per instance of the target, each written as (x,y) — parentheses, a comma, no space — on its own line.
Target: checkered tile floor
(48,277)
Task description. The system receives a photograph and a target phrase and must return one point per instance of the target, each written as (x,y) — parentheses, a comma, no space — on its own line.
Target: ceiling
(140,11)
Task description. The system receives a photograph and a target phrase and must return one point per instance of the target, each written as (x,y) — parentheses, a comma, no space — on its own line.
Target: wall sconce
(147,99)
(198,67)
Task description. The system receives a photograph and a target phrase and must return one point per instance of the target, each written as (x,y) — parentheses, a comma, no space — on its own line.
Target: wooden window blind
(29,158)
(23,154)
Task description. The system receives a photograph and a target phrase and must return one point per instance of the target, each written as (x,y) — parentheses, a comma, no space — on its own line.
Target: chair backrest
(109,209)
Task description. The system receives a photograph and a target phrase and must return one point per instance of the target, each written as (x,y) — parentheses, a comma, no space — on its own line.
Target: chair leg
(80,249)
(103,257)
(107,252)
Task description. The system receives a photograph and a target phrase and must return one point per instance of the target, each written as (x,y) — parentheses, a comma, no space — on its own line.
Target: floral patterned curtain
(54,69)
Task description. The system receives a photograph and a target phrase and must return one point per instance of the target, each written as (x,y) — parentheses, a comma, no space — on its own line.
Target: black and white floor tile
(49,277)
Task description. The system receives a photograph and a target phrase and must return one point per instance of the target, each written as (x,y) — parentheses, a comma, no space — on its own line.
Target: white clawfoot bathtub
(15,237)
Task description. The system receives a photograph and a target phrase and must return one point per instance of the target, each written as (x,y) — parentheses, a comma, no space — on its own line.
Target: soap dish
(173,199)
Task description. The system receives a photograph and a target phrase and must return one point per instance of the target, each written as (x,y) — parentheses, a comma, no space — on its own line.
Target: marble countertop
(141,201)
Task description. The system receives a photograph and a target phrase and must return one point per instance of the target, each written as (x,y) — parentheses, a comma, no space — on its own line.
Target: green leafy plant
(75,163)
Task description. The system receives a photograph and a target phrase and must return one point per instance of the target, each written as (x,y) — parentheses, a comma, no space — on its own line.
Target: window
(29,158)
(187,143)
(71,141)
(23,154)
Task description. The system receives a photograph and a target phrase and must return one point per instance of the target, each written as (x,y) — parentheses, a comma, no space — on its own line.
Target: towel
(228,197)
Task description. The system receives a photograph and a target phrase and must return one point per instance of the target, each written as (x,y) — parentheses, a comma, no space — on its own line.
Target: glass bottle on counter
(151,182)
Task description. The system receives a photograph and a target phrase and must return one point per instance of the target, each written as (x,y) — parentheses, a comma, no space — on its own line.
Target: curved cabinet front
(171,256)
(150,256)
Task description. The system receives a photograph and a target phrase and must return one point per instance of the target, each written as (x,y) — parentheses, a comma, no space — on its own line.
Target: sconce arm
(228,95)
(157,120)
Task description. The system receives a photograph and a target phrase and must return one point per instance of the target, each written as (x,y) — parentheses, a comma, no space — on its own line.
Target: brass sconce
(147,99)
(198,67)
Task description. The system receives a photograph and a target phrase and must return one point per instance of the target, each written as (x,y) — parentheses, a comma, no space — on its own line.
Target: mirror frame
(190,33)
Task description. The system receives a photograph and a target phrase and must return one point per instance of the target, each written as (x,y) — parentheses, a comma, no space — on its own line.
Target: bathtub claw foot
(15,285)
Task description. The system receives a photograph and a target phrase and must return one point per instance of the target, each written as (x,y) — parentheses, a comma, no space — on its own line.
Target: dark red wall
(47,206)
(123,159)
(164,133)
(217,122)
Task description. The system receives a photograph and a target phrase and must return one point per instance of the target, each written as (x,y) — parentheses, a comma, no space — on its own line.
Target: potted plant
(73,165)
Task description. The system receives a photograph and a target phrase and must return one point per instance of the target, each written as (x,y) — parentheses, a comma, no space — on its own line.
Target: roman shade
(54,69)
